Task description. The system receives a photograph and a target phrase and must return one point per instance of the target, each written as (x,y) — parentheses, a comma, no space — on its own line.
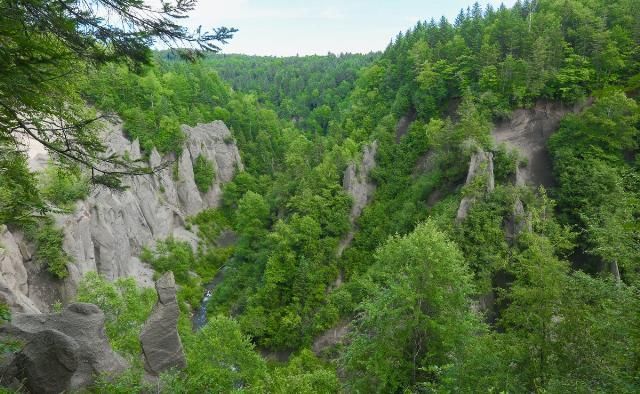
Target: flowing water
(199,318)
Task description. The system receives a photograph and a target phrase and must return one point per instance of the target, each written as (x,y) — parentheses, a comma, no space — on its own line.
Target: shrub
(125,305)
(49,252)
(220,359)
(171,255)
(204,173)
(63,186)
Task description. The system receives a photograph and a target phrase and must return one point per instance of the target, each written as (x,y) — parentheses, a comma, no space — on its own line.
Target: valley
(456,213)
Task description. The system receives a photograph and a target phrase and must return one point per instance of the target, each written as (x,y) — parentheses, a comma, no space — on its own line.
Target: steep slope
(527,131)
(358,185)
(108,230)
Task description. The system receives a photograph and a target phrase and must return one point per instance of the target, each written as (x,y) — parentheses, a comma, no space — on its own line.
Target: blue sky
(290,27)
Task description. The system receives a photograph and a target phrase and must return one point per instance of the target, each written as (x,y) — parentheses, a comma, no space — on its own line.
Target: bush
(204,173)
(211,223)
(48,241)
(305,373)
(220,359)
(19,194)
(63,186)
(171,255)
(5,312)
(125,305)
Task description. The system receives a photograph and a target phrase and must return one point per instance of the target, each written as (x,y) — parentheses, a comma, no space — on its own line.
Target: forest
(535,288)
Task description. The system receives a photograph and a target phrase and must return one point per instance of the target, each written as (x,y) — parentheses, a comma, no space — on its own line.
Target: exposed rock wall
(108,230)
(527,131)
(14,286)
(331,337)
(404,123)
(358,185)
(481,164)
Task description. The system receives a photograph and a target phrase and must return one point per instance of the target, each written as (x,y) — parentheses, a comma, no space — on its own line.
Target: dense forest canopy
(310,90)
(432,301)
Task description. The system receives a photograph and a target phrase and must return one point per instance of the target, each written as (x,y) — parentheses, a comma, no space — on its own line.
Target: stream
(199,318)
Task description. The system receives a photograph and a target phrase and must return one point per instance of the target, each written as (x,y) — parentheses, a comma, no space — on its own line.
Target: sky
(295,27)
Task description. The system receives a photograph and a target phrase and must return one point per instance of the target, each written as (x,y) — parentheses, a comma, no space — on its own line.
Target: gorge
(458,212)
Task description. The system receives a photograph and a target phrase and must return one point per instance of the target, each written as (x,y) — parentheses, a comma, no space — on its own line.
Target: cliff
(108,230)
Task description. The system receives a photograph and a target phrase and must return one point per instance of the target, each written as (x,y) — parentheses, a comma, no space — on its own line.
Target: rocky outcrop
(63,351)
(25,286)
(108,230)
(331,337)
(527,131)
(517,222)
(358,185)
(161,345)
(402,127)
(215,143)
(480,169)
(14,289)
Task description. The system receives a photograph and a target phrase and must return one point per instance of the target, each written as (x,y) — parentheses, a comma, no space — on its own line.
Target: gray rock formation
(64,351)
(527,131)
(402,127)
(48,362)
(108,230)
(358,185)
(25,285)
(215,143)
(331,337)
(14,289)
(481,164)
(161,345)
(517,222)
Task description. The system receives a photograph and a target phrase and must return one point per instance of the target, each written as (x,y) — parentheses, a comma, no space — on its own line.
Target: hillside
(459,213)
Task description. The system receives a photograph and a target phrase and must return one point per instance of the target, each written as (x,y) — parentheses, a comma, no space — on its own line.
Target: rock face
(108,230)
(215,143)
(160,341)
(64,351)
(48,361)
(404,123)
(528,131)
(358,185)
(517,222)
(481,164)
(331,337)
(14,287)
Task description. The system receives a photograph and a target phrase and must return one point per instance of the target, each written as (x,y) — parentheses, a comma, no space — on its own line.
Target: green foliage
(48,49)
(19,196)
(5,312)
(299,122)
(211,223)
(310,90)
(171,255)
(219,359)
(484,226)
(589,162)
(417,317)
(63,186)
(48,247)
(304,374)
(126,308)
(154,105)
(130,381)
(204,173)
